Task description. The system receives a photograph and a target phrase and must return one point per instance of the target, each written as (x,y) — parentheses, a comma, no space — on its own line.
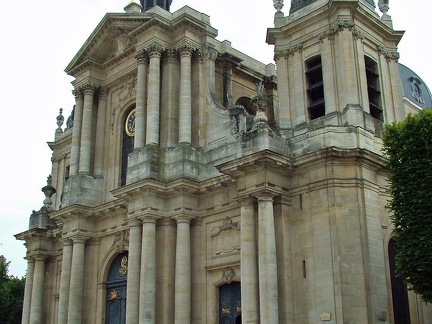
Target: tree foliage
(408,145)
(11,296)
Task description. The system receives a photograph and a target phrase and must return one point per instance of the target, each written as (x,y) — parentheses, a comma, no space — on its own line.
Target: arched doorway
(230,303)
(116,290)
(401,311)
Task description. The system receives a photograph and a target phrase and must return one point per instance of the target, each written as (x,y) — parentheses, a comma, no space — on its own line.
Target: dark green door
(230,303)
(116,290)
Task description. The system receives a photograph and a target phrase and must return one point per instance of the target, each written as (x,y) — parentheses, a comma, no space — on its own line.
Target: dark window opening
(127,147)
(315,88)
(374,92)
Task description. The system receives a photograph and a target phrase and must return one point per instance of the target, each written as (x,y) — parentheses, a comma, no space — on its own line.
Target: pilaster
(100,147)
(153,104)
(28,290)
(183,271)
(76,131)
(86,132)
(185,116)
(141,99)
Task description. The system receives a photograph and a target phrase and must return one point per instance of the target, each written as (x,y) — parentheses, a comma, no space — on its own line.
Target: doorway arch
(116,290)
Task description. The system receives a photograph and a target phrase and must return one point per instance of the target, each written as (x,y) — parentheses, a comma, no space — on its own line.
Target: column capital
(103,93)
(142,57)
(185,50)
(65,241)
(170,56)
(198,55)
(183,218)
(135,222)
(149,219)
(264,196)
(89,88)
(246,200)
(79,238)
(40,257)
(155,50)
(78,93)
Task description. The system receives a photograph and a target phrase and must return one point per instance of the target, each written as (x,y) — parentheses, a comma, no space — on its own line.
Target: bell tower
(148,4)
(337,64)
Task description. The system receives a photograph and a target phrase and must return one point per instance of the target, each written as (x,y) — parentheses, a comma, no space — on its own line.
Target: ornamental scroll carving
(289,51)
(226,238)
(388,54)
(340,26)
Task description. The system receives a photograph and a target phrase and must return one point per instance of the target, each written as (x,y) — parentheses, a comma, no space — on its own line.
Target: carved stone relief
(225,239)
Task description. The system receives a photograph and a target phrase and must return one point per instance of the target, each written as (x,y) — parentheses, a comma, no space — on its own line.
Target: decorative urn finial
(278,5)
(60,120)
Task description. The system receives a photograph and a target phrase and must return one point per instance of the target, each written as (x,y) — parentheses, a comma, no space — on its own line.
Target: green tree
(11,295)
(408,145)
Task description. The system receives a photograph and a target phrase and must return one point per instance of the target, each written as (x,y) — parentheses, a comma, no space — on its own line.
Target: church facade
(194,184)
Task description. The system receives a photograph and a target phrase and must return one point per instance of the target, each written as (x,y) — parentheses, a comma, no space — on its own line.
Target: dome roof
(413,87)
(298,4)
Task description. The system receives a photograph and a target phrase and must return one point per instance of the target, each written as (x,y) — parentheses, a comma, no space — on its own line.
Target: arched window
(128,133)
(315,88)
(401,311)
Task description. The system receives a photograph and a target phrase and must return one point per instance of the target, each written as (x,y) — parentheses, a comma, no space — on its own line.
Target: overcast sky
(42,37)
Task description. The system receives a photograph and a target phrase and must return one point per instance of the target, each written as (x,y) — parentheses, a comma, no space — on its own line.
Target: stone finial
(60,120)
(48,191)
(261,102)
(133,6)
(383,6)
(278,5)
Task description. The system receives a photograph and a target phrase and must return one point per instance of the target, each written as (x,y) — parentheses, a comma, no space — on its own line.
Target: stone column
(86,132)
(153,111)
(28,290)
(182,312)
(65,282)
(76,132)
(248,263)
(267,265)
(133,277)
(100,133)
(76,281)
(141,98)
(185,113)
(36,309)
(147,309)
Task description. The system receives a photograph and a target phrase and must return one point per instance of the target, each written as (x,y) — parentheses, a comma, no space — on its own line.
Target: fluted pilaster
(86,132)
(76,281)
(141,98)
(65,282)
(185,116)
(183,271)
(76,132)
(36,309)
(248,265)
(134,267)
(147,309)
(28,290)
(100,133)
(153,104)
(267,263)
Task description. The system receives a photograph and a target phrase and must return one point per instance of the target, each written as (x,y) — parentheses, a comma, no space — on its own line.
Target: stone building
(193,184)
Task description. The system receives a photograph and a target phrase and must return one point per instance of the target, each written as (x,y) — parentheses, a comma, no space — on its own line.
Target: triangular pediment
(109,39)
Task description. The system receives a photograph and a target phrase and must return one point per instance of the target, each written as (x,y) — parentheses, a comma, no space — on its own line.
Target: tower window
(374,92)
(315,88)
